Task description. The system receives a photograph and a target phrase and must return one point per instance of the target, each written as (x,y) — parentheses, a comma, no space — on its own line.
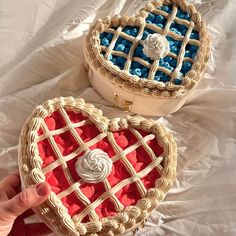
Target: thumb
(28,198)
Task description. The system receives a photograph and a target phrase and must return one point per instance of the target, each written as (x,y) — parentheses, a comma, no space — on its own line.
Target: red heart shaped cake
(106,176)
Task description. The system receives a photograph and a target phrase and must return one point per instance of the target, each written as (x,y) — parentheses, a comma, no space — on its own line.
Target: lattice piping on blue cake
(166,21)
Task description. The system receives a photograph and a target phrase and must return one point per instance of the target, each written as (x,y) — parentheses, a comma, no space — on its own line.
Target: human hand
(15,205)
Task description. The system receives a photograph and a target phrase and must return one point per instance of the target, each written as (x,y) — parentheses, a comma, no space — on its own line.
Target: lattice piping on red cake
(116,188)
(64,129)
(107,186)
(53,210)
(120,155)
(165,32)
(66,171)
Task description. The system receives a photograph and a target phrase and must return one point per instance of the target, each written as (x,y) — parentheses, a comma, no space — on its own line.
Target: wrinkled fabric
(42,57)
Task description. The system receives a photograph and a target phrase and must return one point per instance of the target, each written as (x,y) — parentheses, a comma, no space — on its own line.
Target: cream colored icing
(94,166)
(156,46)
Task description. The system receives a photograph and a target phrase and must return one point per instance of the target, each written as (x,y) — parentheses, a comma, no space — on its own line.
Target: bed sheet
(41,57)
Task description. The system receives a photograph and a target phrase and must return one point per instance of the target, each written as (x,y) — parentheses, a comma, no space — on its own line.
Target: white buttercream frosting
(94,166)
(156,46)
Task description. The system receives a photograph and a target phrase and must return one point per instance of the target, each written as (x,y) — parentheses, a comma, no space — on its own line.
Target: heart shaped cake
(148,63)
(106,176)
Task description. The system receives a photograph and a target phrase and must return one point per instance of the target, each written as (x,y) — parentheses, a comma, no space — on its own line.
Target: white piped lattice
(120,155)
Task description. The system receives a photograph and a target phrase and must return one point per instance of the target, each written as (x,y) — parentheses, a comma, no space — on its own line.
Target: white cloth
(39,60)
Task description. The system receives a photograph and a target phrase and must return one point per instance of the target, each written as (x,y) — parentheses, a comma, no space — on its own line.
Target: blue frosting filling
(194,35)
(191,51)
(131,30)
(146,32)
(178,29)
(166,8)
(177,81)
(106,38)
(118,61)
(161,77)
(138,70)
(168,62)
(175,45)
(124,45)
(186,67)
(182,15)
(158,20)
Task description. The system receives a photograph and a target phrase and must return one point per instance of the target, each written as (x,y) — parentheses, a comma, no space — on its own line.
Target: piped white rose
(156,46)
(94,166)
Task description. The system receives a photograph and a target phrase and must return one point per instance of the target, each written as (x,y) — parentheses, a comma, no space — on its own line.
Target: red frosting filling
(139,158)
